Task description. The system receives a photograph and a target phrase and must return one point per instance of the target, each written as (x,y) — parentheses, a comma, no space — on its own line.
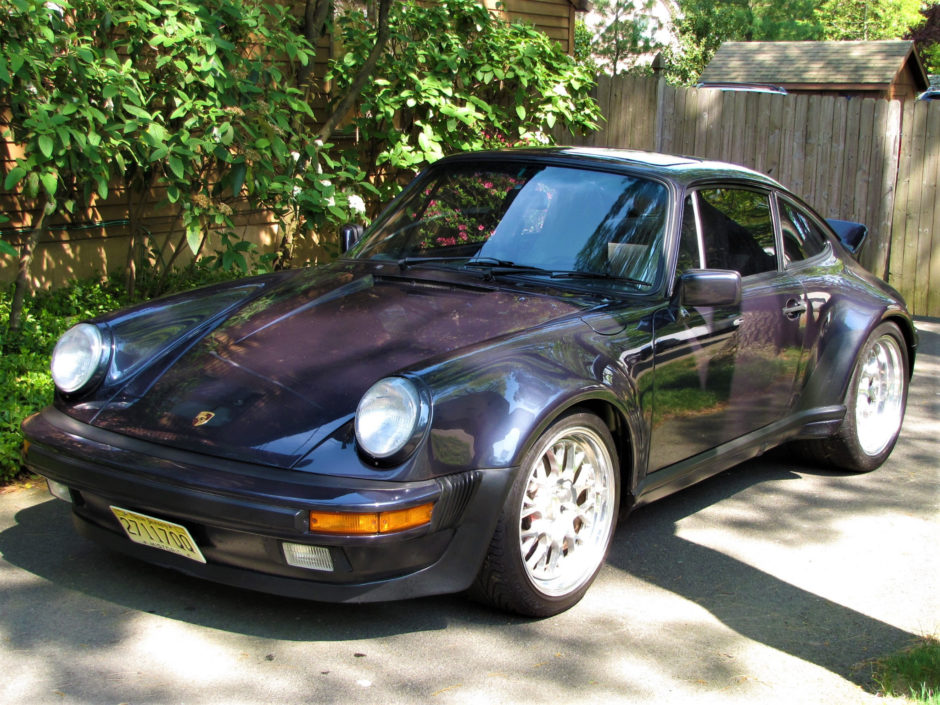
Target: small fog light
(300,555)
(58,490)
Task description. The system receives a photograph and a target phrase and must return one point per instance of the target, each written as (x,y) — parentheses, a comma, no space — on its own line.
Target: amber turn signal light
(372,522)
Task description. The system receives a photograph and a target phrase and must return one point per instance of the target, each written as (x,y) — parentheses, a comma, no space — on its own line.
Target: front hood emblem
(202,418)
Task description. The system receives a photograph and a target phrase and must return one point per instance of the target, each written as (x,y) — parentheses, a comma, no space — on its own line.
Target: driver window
(736,230)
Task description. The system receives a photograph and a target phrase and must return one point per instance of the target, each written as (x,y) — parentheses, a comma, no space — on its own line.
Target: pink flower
(487,184)
(480,227)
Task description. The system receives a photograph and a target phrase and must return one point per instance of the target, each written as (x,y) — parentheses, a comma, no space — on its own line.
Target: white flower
(560,89)
(356,203)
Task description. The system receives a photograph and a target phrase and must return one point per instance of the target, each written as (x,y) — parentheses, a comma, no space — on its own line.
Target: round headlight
(78,357)
(388,417)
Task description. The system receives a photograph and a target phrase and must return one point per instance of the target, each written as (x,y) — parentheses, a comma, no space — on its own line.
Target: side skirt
(814,423)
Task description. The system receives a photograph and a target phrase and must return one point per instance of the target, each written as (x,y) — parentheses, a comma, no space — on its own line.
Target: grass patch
(912,673)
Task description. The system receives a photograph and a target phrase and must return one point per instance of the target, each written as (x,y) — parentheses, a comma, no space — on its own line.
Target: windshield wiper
(497,266)
(406,262)
(493,266)
(577,274)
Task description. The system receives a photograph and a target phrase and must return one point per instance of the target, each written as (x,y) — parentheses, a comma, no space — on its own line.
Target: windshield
(529,219)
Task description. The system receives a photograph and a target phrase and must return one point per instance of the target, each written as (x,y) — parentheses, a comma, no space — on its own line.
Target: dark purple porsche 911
(522,347)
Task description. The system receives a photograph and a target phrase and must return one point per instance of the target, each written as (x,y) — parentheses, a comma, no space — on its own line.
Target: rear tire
(557,522)
(875,404)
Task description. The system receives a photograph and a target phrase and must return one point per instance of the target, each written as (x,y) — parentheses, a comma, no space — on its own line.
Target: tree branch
(22,285)
(352,94)
(315,15)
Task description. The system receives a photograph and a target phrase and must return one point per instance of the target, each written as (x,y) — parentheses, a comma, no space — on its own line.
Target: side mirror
(349,235)
(710,287)
(851,235)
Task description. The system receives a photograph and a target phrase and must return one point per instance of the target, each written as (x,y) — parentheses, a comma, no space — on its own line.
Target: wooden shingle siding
(555,19)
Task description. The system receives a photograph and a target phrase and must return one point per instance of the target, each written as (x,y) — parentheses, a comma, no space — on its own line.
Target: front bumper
(241,514)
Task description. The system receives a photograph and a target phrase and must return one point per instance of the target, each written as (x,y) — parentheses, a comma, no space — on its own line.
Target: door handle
(794,308)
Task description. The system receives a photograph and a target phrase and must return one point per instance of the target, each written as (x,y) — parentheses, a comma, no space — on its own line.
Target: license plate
(158,533)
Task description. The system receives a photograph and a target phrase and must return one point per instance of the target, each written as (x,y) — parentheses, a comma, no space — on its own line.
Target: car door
(723,372)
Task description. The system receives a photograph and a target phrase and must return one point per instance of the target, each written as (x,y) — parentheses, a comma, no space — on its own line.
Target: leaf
(13,178)
(192,238)
(176,166)
(50,182)
(148,8)
(7,249)
(424,141)
(238,178)
(46,145)
(520,111)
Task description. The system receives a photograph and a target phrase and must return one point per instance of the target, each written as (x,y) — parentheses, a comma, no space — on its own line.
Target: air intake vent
(456,493)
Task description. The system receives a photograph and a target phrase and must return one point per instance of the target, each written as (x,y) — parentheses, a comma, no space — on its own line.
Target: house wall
(552,17)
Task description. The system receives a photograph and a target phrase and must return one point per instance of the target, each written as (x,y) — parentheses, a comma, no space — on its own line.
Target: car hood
(286,370)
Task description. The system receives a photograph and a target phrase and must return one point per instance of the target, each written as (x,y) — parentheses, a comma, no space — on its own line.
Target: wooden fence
(867,160)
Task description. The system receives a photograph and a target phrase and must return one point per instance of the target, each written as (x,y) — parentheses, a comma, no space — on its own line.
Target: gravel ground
(774,583)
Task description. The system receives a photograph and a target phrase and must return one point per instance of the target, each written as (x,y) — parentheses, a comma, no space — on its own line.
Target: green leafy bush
(455,78)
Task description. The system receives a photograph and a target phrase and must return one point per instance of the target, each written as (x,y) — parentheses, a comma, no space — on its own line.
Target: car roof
(680,169)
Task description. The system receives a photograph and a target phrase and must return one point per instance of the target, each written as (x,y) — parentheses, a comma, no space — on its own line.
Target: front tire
(557,523)
(875,404)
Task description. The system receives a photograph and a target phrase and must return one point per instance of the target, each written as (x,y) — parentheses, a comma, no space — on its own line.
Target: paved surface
(771,583)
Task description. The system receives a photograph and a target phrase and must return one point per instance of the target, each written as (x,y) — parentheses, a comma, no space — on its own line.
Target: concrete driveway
(771,583)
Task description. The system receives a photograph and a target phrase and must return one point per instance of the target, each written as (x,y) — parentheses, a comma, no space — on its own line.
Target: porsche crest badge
(202,418)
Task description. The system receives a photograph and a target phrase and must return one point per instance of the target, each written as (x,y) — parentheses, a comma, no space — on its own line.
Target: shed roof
(822,63)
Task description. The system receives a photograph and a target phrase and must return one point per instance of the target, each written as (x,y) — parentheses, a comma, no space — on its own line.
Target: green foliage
(931,58)
(454,78)
(867,19)
(912,673)
(627,30)
(705,25)
(196,100)
(582,44)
